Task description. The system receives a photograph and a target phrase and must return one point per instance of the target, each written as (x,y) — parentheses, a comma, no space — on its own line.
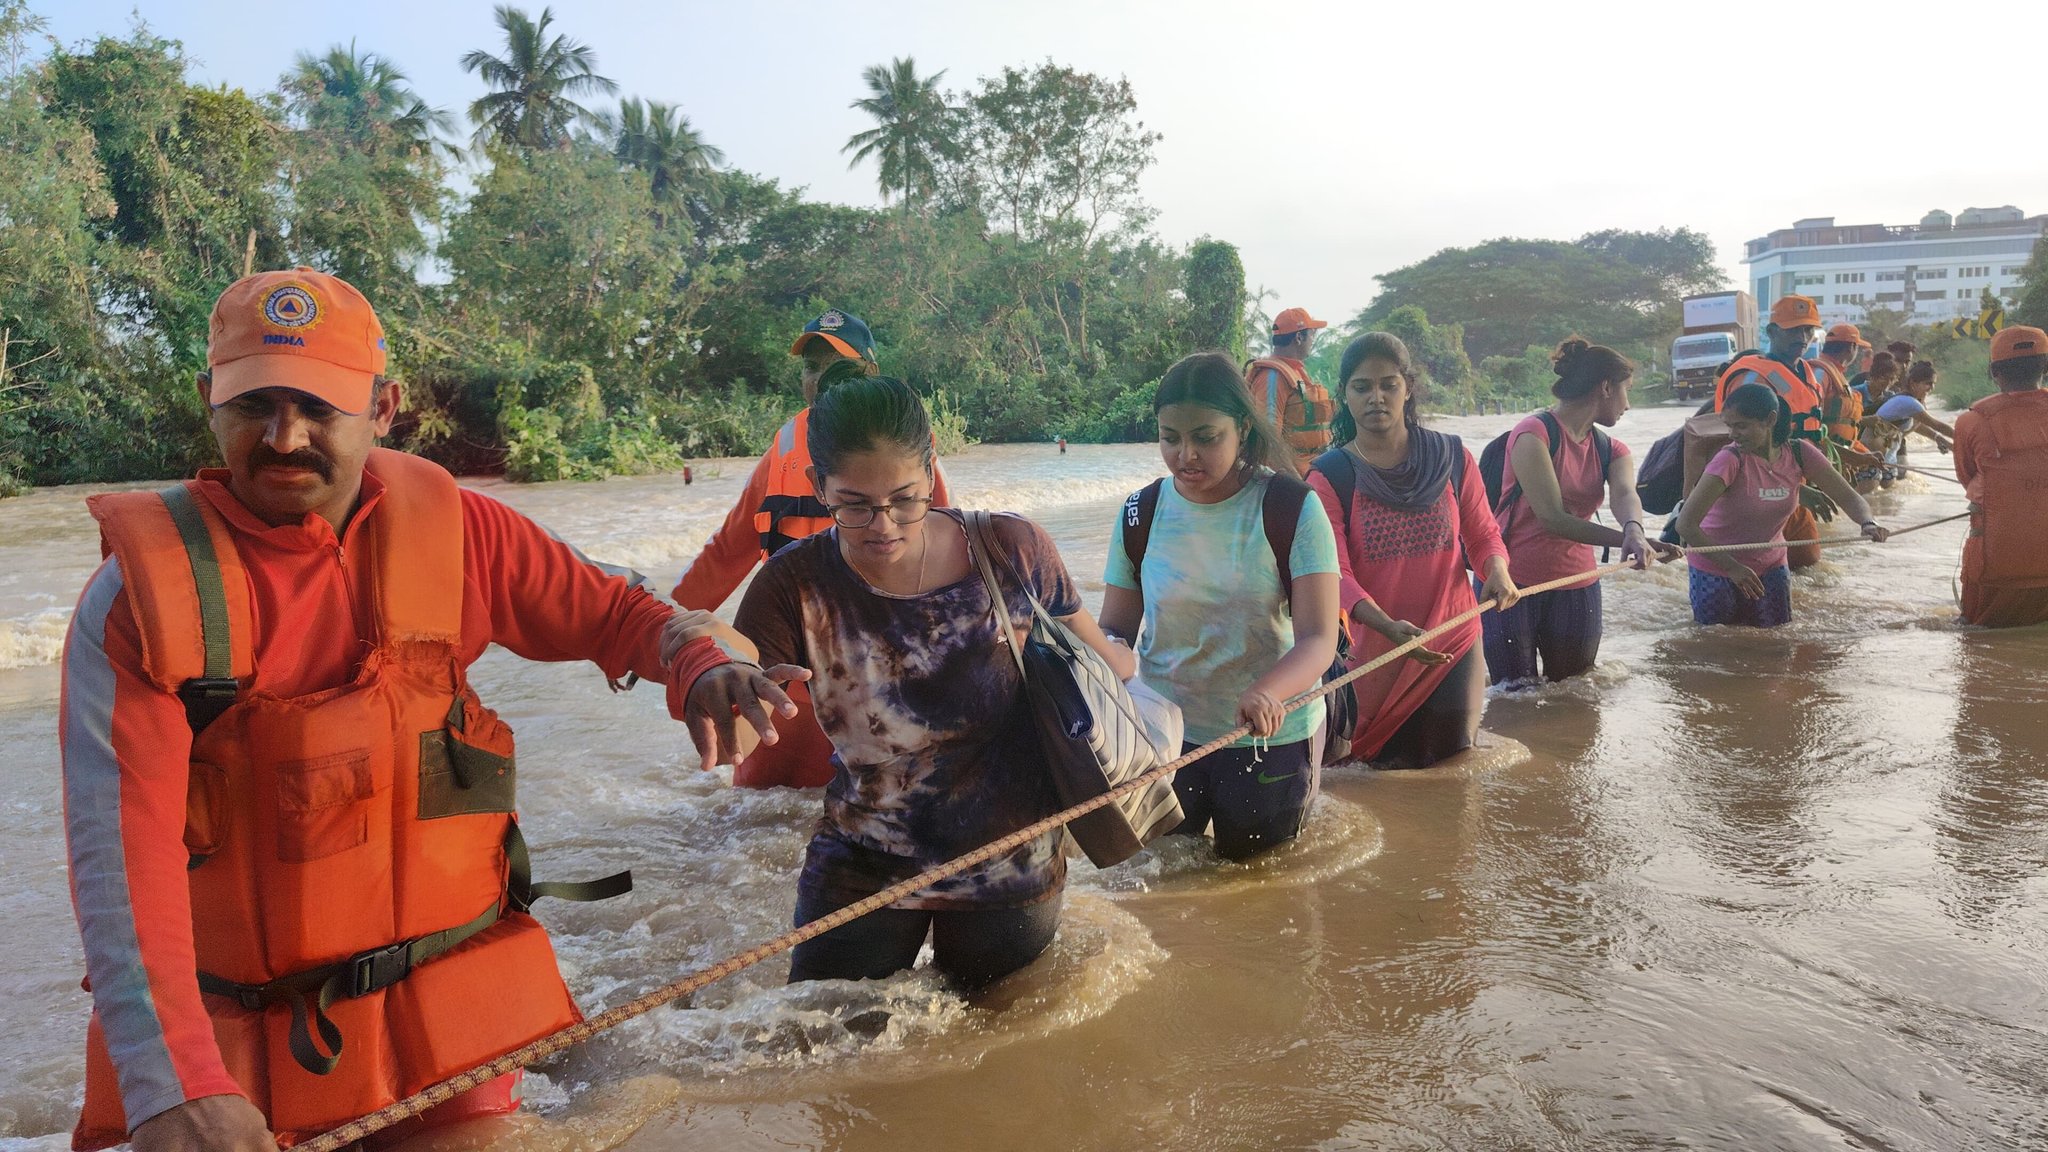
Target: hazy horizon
(1373,142)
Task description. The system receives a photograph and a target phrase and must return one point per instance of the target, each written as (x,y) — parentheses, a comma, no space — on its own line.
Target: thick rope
(437,1094)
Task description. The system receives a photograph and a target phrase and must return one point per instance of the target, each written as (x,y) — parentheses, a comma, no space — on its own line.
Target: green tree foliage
(913,129)
(534,85)
(1619,288)
(2032,306)
(1437,349)
(1216,297)
(364,171)
(657,139)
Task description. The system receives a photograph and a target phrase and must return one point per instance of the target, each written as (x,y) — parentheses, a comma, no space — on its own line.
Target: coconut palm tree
(657,139)
(913,125)
(532,102)
(365,98)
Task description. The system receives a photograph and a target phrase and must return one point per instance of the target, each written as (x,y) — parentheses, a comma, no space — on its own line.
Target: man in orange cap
(778,506)
(293,850)
(2001,456)
(1298,406)
(1794,324)
(1842,352)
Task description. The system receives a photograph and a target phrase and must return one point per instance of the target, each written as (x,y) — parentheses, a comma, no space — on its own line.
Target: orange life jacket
(1846,402)
(790,510)
(2008,542)
(1799,389)
(357,871)
(1300,407)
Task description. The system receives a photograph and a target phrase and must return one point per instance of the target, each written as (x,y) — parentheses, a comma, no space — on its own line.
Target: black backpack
(1493,460)
(1280,511)
(1341,471)
(1660,481)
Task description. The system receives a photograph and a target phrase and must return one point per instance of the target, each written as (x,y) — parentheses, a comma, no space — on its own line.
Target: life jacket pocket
(206,810)
(323,805)
(468,766)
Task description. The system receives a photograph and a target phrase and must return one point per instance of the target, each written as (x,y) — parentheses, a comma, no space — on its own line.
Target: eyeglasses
(907,510)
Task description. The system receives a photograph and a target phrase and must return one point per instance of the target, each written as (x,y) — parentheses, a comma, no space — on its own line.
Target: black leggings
(1446,724)
(1257,797)
(973,948)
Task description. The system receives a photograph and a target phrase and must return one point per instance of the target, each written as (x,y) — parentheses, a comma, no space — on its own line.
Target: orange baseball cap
(2013,343)
(302,330)
(1795,312)
(1294,320)
(1847,334)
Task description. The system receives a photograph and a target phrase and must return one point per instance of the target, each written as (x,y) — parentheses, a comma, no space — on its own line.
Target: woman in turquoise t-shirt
(1221,639)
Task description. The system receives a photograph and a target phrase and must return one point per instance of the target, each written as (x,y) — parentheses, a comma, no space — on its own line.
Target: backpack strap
(1458,468)
(1280,509)
(1139,508)
(1338,468)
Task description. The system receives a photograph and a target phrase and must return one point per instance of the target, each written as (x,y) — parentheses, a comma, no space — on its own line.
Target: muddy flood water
(1733,890)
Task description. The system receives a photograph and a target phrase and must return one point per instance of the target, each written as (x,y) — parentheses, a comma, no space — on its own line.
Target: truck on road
(1717,326)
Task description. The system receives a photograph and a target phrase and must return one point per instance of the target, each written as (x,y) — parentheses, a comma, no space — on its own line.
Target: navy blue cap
(844,331)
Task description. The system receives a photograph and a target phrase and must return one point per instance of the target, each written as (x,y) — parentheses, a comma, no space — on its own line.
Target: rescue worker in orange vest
(1299,407)
(293,849)
(778,506)
(2001,455)
(1794,324)
(1843,351)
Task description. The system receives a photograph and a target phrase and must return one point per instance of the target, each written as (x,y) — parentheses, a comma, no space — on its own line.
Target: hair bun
(1568,354)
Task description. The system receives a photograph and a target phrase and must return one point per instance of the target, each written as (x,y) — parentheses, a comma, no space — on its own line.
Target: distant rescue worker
(778,506)
(2001,454)
(1794,324)
(1280,384)
(293,847)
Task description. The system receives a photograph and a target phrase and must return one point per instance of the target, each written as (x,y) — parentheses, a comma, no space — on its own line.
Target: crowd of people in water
(296,744)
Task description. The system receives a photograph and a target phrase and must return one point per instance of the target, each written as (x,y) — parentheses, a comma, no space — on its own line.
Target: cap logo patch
(831,321)
(291,307)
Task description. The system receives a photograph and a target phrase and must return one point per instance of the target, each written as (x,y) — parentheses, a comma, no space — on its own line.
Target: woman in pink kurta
(1417,512)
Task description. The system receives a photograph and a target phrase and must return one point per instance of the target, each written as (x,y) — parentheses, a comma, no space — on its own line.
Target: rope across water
(436,1094)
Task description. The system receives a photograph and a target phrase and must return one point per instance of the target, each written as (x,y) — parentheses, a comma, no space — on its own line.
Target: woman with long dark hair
(1559,468)
(1232,571)
(933,752)
(1745,496)
(1410,510)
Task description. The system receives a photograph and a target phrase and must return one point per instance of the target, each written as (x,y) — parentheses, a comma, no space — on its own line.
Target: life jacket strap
(213,693)
(521,891)
(368,971)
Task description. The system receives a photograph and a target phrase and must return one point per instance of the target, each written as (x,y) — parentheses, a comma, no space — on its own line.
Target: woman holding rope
(1410,508)
(932,750)
(1229,634)
(1551,491)
(1745,497)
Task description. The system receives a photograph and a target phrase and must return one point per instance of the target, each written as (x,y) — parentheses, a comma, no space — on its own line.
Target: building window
(1848,277)
(1882,276)
(2012,270)
(1890,297)
(1807,281)
(1980,270)
(1931,274)
(1933,294)
(1849,298)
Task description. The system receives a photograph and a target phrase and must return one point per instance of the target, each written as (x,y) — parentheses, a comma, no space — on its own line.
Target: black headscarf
(1420,480)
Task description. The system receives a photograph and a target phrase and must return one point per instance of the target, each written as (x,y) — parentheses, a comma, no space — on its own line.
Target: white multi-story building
(1936,270)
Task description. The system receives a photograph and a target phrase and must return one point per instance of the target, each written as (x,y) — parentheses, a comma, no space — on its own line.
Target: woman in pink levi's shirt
(1745,497)
(1551,487)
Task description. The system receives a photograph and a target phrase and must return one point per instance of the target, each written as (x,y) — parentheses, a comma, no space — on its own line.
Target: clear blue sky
(1334,141)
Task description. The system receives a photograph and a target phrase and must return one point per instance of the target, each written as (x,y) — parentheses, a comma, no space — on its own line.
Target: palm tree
(533,86)
(657,139)
(912,126)
(365,98)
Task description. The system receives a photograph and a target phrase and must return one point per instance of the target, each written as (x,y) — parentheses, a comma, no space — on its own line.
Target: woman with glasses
(933,752)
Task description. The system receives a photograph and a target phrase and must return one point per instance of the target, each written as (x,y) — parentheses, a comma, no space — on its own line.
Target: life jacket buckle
(206,697)
(379,968)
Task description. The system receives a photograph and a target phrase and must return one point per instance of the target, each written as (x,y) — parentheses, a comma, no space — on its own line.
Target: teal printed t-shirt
(1214,618)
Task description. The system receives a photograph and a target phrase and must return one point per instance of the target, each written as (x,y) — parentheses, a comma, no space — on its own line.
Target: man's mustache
(263,456)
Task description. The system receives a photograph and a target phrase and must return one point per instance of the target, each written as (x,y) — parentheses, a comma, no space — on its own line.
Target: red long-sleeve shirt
(126,744)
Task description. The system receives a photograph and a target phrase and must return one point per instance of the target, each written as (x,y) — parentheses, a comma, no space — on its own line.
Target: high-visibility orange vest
(1798,388)
(354,851)
(1848,403)
(2008,542)
(790,510)
(1300,407)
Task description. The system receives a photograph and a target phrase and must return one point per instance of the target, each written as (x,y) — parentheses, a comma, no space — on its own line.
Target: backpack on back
(1493,461)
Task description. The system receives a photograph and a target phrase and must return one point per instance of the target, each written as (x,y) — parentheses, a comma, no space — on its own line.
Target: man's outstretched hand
(729,693)
(208,1124)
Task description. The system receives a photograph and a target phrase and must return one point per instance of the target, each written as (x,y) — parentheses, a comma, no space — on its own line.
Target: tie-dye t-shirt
(933,749)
